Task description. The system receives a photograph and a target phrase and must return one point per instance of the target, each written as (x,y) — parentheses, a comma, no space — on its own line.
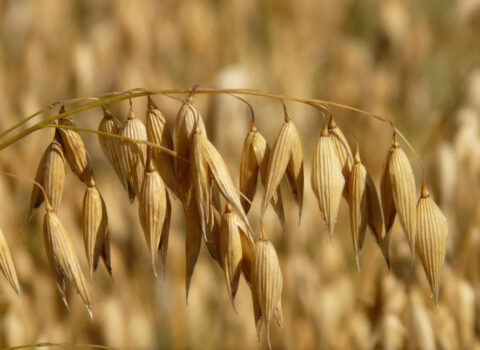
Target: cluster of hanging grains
(187,165)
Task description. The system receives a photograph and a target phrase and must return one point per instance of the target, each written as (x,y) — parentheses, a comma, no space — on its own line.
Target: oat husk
(286,158)
(111,147)
(345,155)
(158,133)
(133,155)
(152,209)
(63,258)
(51,176)
(254,162)
(6,264)
(95,229)
(327,179)
(193,241)
(431,239)
(75,151)
(268,281)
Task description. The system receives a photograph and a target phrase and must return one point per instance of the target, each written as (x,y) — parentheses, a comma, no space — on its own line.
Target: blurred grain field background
(414,62)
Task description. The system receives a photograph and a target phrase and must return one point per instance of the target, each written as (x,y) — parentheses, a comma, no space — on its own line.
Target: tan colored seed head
(357,199)
(193,241)
(6,264)
(111,147)
(63,258)
(152,208)
(254,161)
(134,155)
(51,176)
(268,280)
(404,191)
(158,133)
(431,239)
(75,151)
(345,155)
(286,158)
(95,228)
(327,179)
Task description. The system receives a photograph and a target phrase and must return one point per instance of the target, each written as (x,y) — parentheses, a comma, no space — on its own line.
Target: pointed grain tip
(325,132)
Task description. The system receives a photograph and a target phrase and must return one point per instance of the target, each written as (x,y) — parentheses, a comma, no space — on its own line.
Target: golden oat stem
(113,97)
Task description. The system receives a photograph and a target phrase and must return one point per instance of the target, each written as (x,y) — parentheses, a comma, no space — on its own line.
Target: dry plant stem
(113,97)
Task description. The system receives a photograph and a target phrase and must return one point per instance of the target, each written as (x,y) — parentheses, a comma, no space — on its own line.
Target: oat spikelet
(6,264)
(51,175)
(404,191)
(95,228)
(62,257)
(111,147)
(375,219)
(254,161)
(162,249)
(231,251)
(286,158)
(157,132)
(208,163)
(193,241)
(268,280)
(75,151)
(344,152)
(327,179)
(188,122)
(386,192)
(152,208)
(134,155)
(357,199)
(432,232)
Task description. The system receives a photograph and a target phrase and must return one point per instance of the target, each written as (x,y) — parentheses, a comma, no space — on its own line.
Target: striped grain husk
(386,192)
(187,122)
(95,229)
(404,191)
(268,281)
(286,158)
(133,155)
(111,147)
(63,258)
(431,239)
(254,161)
(75,151)
(357,199)
(193,241)
(327,178)
(152,208)
(51,176)
(345,155)
(208,165)
(6,264)
(158,133)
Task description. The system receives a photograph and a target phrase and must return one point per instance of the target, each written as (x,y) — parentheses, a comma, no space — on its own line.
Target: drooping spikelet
(62,257)
(95,228)
(51,176)
(254,161)
(386,192)
(193,241)
(327,178)
(188,122)
(6,264)
(75,151)
(431,239)
(344,152)
(404,191)
(133,155)
(209,165)
(286,158)
(111,147)
(357,199)
(375,219)
(157,132)
(268,281)
(231,250)
(152,208)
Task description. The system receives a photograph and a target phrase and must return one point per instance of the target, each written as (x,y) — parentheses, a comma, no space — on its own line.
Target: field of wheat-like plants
(239,175)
